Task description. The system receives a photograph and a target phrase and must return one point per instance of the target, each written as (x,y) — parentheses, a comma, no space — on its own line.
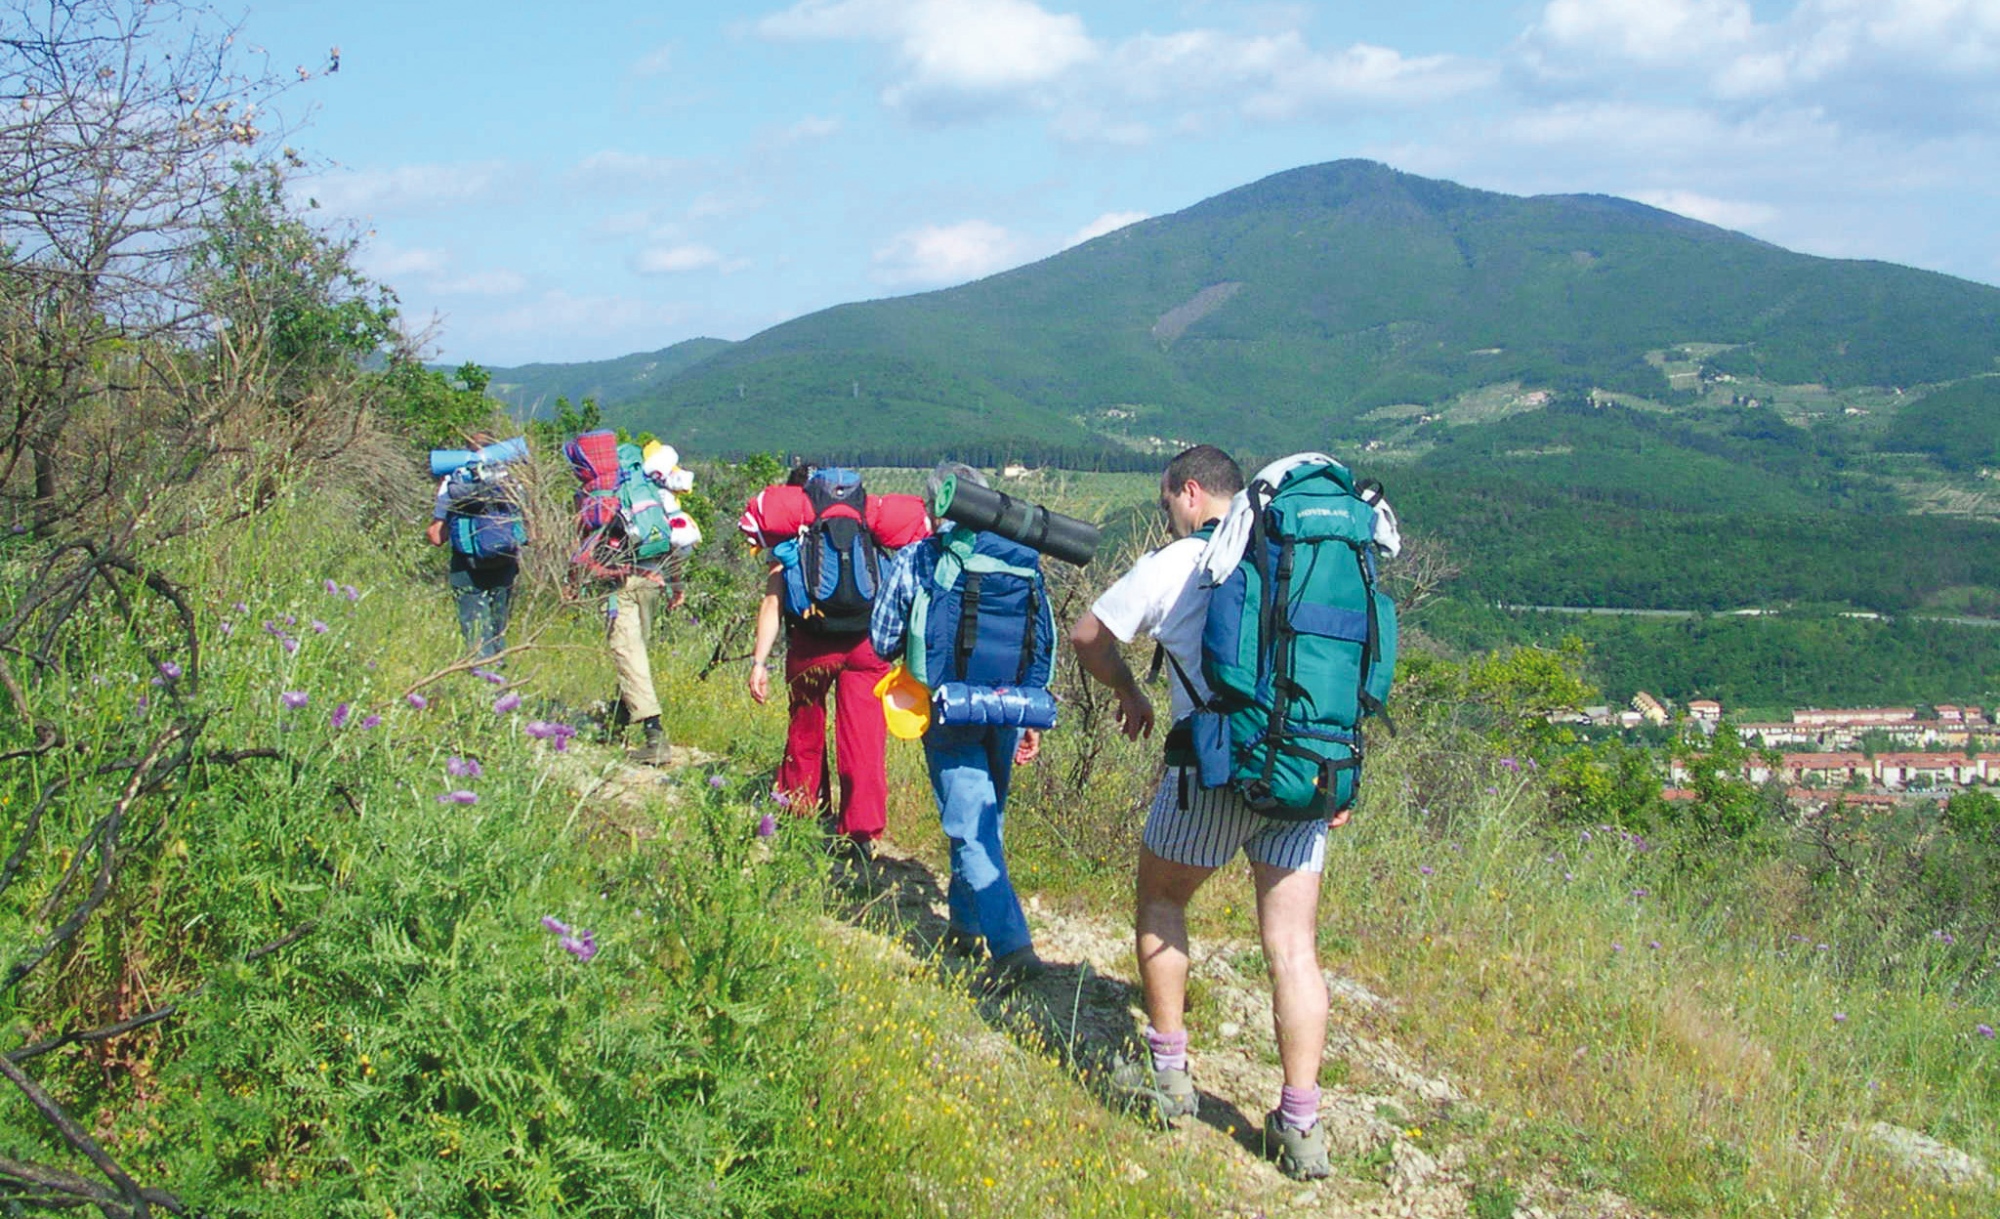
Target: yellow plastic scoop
(906,703)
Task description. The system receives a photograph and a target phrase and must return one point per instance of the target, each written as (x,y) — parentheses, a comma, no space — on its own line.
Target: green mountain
(1279,314)
(532,389)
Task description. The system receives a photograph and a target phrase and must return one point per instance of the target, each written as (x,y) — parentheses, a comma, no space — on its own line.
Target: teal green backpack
(1298,647)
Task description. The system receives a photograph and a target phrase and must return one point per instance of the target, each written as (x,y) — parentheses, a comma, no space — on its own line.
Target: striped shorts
(1216,822)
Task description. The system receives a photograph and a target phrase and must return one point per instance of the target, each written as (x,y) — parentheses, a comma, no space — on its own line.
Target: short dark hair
(1215,470)
(800,474)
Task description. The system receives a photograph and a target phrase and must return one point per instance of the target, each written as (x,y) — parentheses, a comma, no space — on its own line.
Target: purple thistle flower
(1510,765)
(170,670)
(318,627)
(239,607)
(1424,869)
(1819,947)
(560,744)
(144,703)
(767,826)
(331,586)
(1492,791)
(227,628)
(350,592)
(505,703)
(294,699)
(372,721)
(582,946)
(717,782)
(272,629)
(1642,893)
(1653,944)
(1840,1017)
(1617,947)
(1984,1030)
(339,717)
(416,700)
(462,768)
(291,645)
(461,796)
(539,729)
(291,620)
(1569,876)
(489,675)
(1584,835)
(781,799)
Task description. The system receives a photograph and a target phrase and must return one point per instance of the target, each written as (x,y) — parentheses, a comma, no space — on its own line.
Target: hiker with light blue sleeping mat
(968,614)
(478,515)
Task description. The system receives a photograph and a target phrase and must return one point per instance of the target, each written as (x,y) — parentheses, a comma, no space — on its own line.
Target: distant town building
(1651,709)
(1862,717)
(1705,710)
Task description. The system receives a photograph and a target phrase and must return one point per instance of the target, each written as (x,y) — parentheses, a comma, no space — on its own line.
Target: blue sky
(579,181)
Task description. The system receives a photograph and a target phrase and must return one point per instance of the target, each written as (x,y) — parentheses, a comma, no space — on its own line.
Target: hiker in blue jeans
(970,766)
(971,763)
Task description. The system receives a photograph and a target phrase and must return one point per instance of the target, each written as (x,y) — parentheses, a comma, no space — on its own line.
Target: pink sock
(1169,1050)
(1298,1107)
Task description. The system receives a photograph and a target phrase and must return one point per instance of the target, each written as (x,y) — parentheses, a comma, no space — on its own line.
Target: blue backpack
(833,568)
(482,518)
(981,633)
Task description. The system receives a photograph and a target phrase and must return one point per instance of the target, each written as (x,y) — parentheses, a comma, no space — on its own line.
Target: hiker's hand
(679,599)
(1135,713)
(435,534)
(1029,748)
(760,683)
(1339,819)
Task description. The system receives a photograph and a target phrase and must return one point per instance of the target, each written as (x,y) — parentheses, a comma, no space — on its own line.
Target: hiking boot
(653,752)
(1005,974)
(1169,1095)
(1301,1154)
(963,944)
(853,860)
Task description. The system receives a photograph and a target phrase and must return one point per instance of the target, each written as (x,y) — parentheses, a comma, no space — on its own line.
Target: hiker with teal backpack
(1265,607)
(634,543)
(969,615)
(478,515)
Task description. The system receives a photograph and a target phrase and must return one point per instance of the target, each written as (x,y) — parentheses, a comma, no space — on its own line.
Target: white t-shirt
(1164,596)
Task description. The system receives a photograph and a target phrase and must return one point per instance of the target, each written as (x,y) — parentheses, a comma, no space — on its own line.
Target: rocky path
(1402,1137)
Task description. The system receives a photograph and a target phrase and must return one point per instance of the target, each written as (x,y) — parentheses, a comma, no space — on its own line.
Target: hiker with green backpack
(634,541)
(1266,609)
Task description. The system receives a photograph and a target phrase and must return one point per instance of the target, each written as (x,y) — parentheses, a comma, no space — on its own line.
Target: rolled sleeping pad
(983,508)
(444,461)
(956,702)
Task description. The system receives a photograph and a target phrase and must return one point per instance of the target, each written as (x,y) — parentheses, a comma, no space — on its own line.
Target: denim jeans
(484,597)
(970,767)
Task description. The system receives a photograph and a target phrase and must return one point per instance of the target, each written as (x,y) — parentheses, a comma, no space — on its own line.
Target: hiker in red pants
(820,586)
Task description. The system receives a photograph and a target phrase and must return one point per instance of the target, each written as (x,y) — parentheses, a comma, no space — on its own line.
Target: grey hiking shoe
(1301,1154)
(654,752)
(1169,1095)
(1004,974)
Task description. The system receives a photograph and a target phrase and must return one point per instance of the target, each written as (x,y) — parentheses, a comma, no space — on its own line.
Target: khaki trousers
(629,615)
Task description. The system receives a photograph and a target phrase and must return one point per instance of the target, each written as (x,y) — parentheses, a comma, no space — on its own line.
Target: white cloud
(670,260)
(501,282)
(947,47)
(558,315)
(1682,32)
(1725,213)
(656,62)
(613,169)
(811,127)
(405,188)
(629,223)
(1109,222)
(935,255)
(388,261)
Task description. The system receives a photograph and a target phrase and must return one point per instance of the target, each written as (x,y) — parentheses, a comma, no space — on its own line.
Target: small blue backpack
(482,518)
(981,633)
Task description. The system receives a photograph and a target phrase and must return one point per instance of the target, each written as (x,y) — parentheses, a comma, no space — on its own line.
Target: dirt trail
(1402,1137)
(1391,1125)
